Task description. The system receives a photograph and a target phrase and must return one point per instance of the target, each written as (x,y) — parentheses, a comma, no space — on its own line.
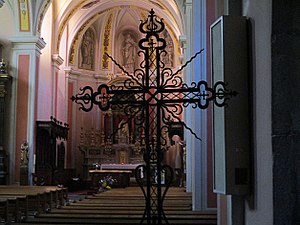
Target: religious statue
(3,68)
(174,157)
(24,154)
(123,132)
(129,52)
(168,57)
(87,50)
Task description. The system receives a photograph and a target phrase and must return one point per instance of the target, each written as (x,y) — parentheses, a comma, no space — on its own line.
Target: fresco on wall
(168,58)
(87,51)
(128,51)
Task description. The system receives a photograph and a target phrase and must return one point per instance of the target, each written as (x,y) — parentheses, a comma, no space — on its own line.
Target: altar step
(124,206)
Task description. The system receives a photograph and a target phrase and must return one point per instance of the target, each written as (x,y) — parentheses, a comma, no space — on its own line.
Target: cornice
(75,74)
(23,41)
(71,71)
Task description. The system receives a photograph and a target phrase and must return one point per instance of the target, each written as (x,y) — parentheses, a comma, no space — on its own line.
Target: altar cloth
(114,166)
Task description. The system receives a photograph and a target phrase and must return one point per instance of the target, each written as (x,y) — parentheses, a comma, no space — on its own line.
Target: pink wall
(22,108)
(70,115)
(212,197)
(56,94)
(223,210)
(36,96)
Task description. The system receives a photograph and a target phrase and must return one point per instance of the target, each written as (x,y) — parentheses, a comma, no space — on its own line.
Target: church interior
(56,55)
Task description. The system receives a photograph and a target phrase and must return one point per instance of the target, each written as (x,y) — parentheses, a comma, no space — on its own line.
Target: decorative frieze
(106,42)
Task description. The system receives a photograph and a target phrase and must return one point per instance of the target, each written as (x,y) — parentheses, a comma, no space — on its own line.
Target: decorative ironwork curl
(222,94)
(123,70)
(140,75)
(162,54)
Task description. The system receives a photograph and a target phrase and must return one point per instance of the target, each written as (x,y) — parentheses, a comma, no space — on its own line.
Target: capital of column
(28,43)
(182,41)
(73,74)
(57,61)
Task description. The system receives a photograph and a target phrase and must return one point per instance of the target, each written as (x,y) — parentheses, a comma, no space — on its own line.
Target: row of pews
(17,203)
(123,206)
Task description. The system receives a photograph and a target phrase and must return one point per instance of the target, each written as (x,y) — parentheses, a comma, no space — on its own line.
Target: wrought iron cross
(153,96)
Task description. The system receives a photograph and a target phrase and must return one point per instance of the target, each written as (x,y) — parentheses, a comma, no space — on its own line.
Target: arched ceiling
(80,14)
(109,21)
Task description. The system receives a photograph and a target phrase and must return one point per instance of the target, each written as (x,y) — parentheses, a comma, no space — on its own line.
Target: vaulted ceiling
(107,20)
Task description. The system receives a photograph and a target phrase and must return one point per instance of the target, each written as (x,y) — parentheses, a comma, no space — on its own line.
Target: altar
(115,144)
(99,153)
(114,166)
(122,177)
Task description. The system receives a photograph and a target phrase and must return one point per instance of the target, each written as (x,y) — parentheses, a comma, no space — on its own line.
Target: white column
(188,114)
(199,154)
(195,12)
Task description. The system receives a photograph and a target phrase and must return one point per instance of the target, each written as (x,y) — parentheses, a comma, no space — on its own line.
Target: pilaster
(26,53)
(72,85)
(57,61)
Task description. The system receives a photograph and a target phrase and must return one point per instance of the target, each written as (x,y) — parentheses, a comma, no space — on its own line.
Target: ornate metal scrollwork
(153,96)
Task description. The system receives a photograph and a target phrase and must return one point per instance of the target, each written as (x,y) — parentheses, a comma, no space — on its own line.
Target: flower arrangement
(106,183)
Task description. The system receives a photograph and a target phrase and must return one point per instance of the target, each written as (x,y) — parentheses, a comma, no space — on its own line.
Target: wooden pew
(13,208)
(48,194)
(19,200)
(4,215)
(57,196)
(125,206)
(36,200)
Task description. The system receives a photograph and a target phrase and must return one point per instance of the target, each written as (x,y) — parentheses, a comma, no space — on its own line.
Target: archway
(105,21)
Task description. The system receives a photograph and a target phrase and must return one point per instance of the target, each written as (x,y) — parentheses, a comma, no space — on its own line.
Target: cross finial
(152,24)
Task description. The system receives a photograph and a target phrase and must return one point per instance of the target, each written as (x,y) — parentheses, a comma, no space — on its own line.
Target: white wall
(259,12)
(45,93)
(6,31)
